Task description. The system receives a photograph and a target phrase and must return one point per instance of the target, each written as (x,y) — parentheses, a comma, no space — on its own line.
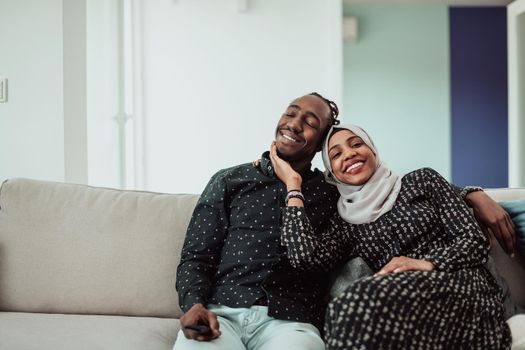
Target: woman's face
(352,161)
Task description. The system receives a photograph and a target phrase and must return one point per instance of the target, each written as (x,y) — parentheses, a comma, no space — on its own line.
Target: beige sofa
(94,268)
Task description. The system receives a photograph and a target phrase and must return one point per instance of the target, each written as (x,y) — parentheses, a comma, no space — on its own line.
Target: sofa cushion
(510,269)
(506,194)
(516,210)
(354,269)
(29,331)
(83,250)
(517,328)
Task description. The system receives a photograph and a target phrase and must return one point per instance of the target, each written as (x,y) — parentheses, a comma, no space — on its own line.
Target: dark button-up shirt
(232,254)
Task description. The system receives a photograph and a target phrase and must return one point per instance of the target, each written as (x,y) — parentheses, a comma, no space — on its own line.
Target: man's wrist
(195,307)
(198,306)
(189,301)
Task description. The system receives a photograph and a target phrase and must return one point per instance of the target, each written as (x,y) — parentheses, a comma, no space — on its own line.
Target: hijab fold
(363,203)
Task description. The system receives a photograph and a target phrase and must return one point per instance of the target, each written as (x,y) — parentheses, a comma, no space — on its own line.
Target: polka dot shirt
(232,254)
(456,306)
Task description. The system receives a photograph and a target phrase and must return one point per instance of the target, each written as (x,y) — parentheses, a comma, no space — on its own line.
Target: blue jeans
(253,329)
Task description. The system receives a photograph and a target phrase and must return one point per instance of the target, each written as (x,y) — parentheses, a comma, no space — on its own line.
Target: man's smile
(289,137)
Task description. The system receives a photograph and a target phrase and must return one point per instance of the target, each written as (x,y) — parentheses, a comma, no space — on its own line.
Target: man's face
(300,130)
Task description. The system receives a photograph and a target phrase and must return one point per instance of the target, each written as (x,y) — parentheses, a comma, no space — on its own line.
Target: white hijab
(365,203)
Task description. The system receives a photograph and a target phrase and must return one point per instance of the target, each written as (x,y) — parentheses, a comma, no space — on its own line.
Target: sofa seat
(22,331)
(517,328)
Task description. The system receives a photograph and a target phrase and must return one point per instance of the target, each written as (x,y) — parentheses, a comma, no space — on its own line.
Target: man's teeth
(353,166)
(290,138)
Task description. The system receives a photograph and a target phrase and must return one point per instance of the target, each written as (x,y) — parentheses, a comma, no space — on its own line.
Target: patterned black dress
(455,306)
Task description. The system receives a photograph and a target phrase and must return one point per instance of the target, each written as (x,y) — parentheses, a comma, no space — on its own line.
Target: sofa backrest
(510,269)
(77,249)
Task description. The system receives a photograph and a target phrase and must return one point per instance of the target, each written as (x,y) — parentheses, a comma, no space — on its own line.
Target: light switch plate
(3,90)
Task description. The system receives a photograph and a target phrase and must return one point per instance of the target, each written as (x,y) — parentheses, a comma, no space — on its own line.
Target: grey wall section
(479,106)
(396,84)
(75,104)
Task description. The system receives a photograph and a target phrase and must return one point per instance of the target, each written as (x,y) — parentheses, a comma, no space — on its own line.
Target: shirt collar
(267,167)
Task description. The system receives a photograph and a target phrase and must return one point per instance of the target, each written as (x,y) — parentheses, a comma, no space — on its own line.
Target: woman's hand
(402,263)
(284,171)
(491,215)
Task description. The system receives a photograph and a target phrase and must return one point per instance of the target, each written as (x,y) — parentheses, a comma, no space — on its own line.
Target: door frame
(516,86)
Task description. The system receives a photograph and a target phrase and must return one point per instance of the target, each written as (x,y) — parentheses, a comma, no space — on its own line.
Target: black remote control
(199,328)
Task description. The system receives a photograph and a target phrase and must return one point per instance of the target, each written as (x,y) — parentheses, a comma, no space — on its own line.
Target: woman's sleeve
(310,251)
(467,245)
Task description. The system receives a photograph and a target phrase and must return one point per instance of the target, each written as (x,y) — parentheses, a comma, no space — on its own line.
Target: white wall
(216,81)
(75,95)
(32,121)
(102,92)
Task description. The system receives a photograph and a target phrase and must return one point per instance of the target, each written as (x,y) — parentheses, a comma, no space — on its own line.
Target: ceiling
(434,2)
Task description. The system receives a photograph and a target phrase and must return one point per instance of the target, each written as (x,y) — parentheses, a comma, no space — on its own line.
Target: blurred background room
(158,95)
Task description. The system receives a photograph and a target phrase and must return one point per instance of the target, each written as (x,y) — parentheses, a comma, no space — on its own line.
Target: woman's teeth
(353,166)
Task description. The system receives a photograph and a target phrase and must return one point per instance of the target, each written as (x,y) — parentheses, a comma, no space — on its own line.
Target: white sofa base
(31,331)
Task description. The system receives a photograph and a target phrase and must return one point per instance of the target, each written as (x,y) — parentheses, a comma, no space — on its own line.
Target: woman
(430,289)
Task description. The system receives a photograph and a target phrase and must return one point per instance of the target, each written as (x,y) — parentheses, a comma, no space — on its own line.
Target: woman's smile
(354,167)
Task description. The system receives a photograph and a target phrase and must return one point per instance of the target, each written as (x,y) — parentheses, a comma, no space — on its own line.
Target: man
(234,277)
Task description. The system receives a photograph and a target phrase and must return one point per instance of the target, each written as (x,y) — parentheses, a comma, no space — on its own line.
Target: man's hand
(199,315)
(402,263)
(491,215)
